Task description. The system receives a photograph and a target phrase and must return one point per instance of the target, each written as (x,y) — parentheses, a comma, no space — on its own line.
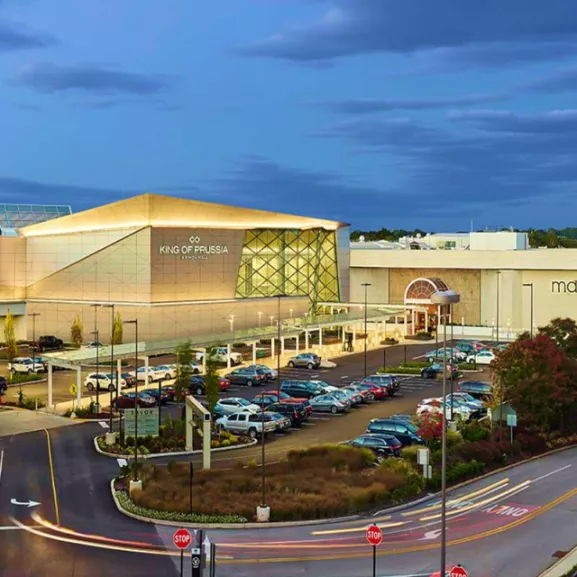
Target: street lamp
(259,318)
(97,342)
(231,321)
(366,285)
(271,320)
(114,380)
(135,323)
(530,285)
(498,284)
(34,315)
(444,298)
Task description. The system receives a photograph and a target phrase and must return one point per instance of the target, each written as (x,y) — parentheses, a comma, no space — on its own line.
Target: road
(494,524)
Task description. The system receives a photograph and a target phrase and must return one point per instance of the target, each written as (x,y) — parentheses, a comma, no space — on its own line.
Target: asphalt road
(509,524)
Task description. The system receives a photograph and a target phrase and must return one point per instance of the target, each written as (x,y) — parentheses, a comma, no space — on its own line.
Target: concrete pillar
(118,375)
(79,385)
(306,341)
(405,319)
(228,363)
(426,320)
(412,321)
(204,362)
(254,353)
(320,336)
(297,344)
(206,442)
(272,348)
(50,384)
(146,375)
(354,336)
(281,346)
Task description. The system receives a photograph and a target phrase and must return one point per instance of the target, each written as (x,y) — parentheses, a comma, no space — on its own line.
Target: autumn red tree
(430,427)
(539,379)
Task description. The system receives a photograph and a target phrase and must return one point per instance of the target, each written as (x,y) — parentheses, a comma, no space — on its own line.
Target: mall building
(499,278)
(182,267)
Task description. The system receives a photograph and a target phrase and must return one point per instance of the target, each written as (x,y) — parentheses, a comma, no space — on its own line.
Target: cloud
(352,27)
(561,81)
(14,37)
(368,105)
(46,77)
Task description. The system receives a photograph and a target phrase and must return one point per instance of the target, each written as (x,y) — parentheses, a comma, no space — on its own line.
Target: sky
(381,113)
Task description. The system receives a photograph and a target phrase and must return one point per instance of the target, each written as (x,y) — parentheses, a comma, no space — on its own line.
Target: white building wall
(378,292)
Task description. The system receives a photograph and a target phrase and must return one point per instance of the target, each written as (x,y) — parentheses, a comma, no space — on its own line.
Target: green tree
(551,239)
(211,381)
(564,333)
(10,337)
(76,331)
(117,330)
(183,368)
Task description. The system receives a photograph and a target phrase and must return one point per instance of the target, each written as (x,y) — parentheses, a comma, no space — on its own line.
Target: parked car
(169,391)
(364,394)
(220,355)
(342,397)
(40,362)
(197,385)
(437,406)
(102,381)
(153,374)
(25,365)
(329,404)
(466,347)
(283,423)
(295,411)
(50,343)
(355,397)
(305,360)
(168,370)
(270,374)
(236,404)
(126,401)
(267,398)
(402,429)
(161,397)
(478,389)
(374,391)
(382,446)
(435,369)
(246,376)
(301,389)
(475,404)
(390,383)
(3,385)
(250,424)
(452,354)
(484,357)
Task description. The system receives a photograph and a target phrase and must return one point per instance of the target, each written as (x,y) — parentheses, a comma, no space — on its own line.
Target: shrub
(226,443)
(389,341)
(531,443)
(458,472)
(423,336)
(412,485)
(401,370)
(454,438)
(215,444)
(474,432)
(129,441)
(252,463)
(410,453)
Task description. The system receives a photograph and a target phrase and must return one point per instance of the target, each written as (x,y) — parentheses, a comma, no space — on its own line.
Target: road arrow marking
(103,425)
(434,534)
(122,462)
(25,504)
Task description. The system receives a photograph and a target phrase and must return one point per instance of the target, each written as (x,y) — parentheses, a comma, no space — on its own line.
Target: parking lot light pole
(117,379)
(95,333)
(530,285)
(34,315)
(278,351)
(444,298)
(366,286)
(135,323)
(498,283)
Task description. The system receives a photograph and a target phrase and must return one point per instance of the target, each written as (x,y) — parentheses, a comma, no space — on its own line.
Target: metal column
(254,353)
(50,384)
(78,386)
(228,363)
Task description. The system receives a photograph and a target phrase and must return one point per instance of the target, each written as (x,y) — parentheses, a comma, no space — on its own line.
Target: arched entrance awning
(420,290)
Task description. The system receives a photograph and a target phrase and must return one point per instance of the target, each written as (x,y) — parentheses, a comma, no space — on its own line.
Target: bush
(410,454)
(225,443)
(458,472)
(215,444)
(454,438)
(389,341)
(18,378)
(413,484)
(473,431)
(468,366)
(401,370)
(423,336)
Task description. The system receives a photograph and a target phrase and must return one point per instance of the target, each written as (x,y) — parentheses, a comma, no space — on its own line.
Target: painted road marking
(103,424)
(122,462)
(551,473)
(345,377)
(510,510)
(56,510)
(1,463)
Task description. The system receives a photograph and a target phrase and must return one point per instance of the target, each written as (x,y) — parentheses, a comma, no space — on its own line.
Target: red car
(224,384)
(372,391)
(126,401)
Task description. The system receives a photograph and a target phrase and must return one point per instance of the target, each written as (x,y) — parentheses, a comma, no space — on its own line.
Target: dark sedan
(383,446)
(3,385)
(126,401)
(248,377)
(129,379)
(161,397)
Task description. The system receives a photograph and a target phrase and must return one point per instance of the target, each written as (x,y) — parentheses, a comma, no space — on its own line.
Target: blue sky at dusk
(375,112)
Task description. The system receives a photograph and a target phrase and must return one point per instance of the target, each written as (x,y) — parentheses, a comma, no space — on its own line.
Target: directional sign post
(374,537)
(182,538)
(196,562)
(458,571)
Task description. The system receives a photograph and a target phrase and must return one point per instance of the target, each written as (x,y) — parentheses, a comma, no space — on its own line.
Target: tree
(183,368)
(430,428)
(76,331)
(551,239)
(211,381)
(117,330)
(539,379)
(564,333)
(10,337)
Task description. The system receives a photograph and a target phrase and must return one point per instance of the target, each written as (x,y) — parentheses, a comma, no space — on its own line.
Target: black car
(435,369)
(129,379)
(302,389)
(296,412)
(161,397)
(382,445)
(50,343)
(196,385)
(479,389)
(404,431)
(248,377)
(3,385)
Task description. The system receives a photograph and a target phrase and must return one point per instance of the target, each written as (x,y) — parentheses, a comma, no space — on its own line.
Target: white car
(168,371)
(153,374)
(93,345)
(235,405)
(25,365)
(220,355)
(247,423)
(482,357)
(437,406)
(102,381)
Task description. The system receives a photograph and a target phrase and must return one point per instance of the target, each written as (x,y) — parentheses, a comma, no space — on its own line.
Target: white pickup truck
(220,355)
(246,423)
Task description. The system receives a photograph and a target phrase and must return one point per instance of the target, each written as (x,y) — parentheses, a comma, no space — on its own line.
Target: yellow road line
(356,529)
(467,497)
(56,511)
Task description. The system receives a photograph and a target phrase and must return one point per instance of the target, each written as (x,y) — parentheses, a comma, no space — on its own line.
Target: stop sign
(374,535)
(182,538)
(458,572)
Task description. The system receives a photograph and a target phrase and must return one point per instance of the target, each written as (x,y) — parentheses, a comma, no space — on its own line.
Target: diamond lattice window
(289,262)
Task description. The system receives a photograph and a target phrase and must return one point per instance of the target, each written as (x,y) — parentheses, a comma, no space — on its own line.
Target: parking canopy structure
(289,329)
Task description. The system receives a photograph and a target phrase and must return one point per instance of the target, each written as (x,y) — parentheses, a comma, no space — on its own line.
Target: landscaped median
(415,368)
(318,483)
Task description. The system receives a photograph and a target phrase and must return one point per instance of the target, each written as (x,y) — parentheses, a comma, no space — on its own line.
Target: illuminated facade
(183,267)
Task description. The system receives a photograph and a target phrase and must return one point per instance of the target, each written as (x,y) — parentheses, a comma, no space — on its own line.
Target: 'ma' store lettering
(560,286)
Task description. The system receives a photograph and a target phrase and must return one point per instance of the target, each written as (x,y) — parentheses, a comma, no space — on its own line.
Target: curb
(562,566)
(394,509)
(38,381)
(175,454)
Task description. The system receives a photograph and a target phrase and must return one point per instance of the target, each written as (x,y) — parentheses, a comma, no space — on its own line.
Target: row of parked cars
(480,352)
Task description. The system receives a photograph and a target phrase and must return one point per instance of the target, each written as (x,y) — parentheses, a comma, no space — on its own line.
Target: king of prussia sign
(194,250)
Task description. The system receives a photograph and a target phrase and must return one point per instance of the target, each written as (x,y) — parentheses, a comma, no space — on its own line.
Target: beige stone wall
(12,268)
(466,282)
